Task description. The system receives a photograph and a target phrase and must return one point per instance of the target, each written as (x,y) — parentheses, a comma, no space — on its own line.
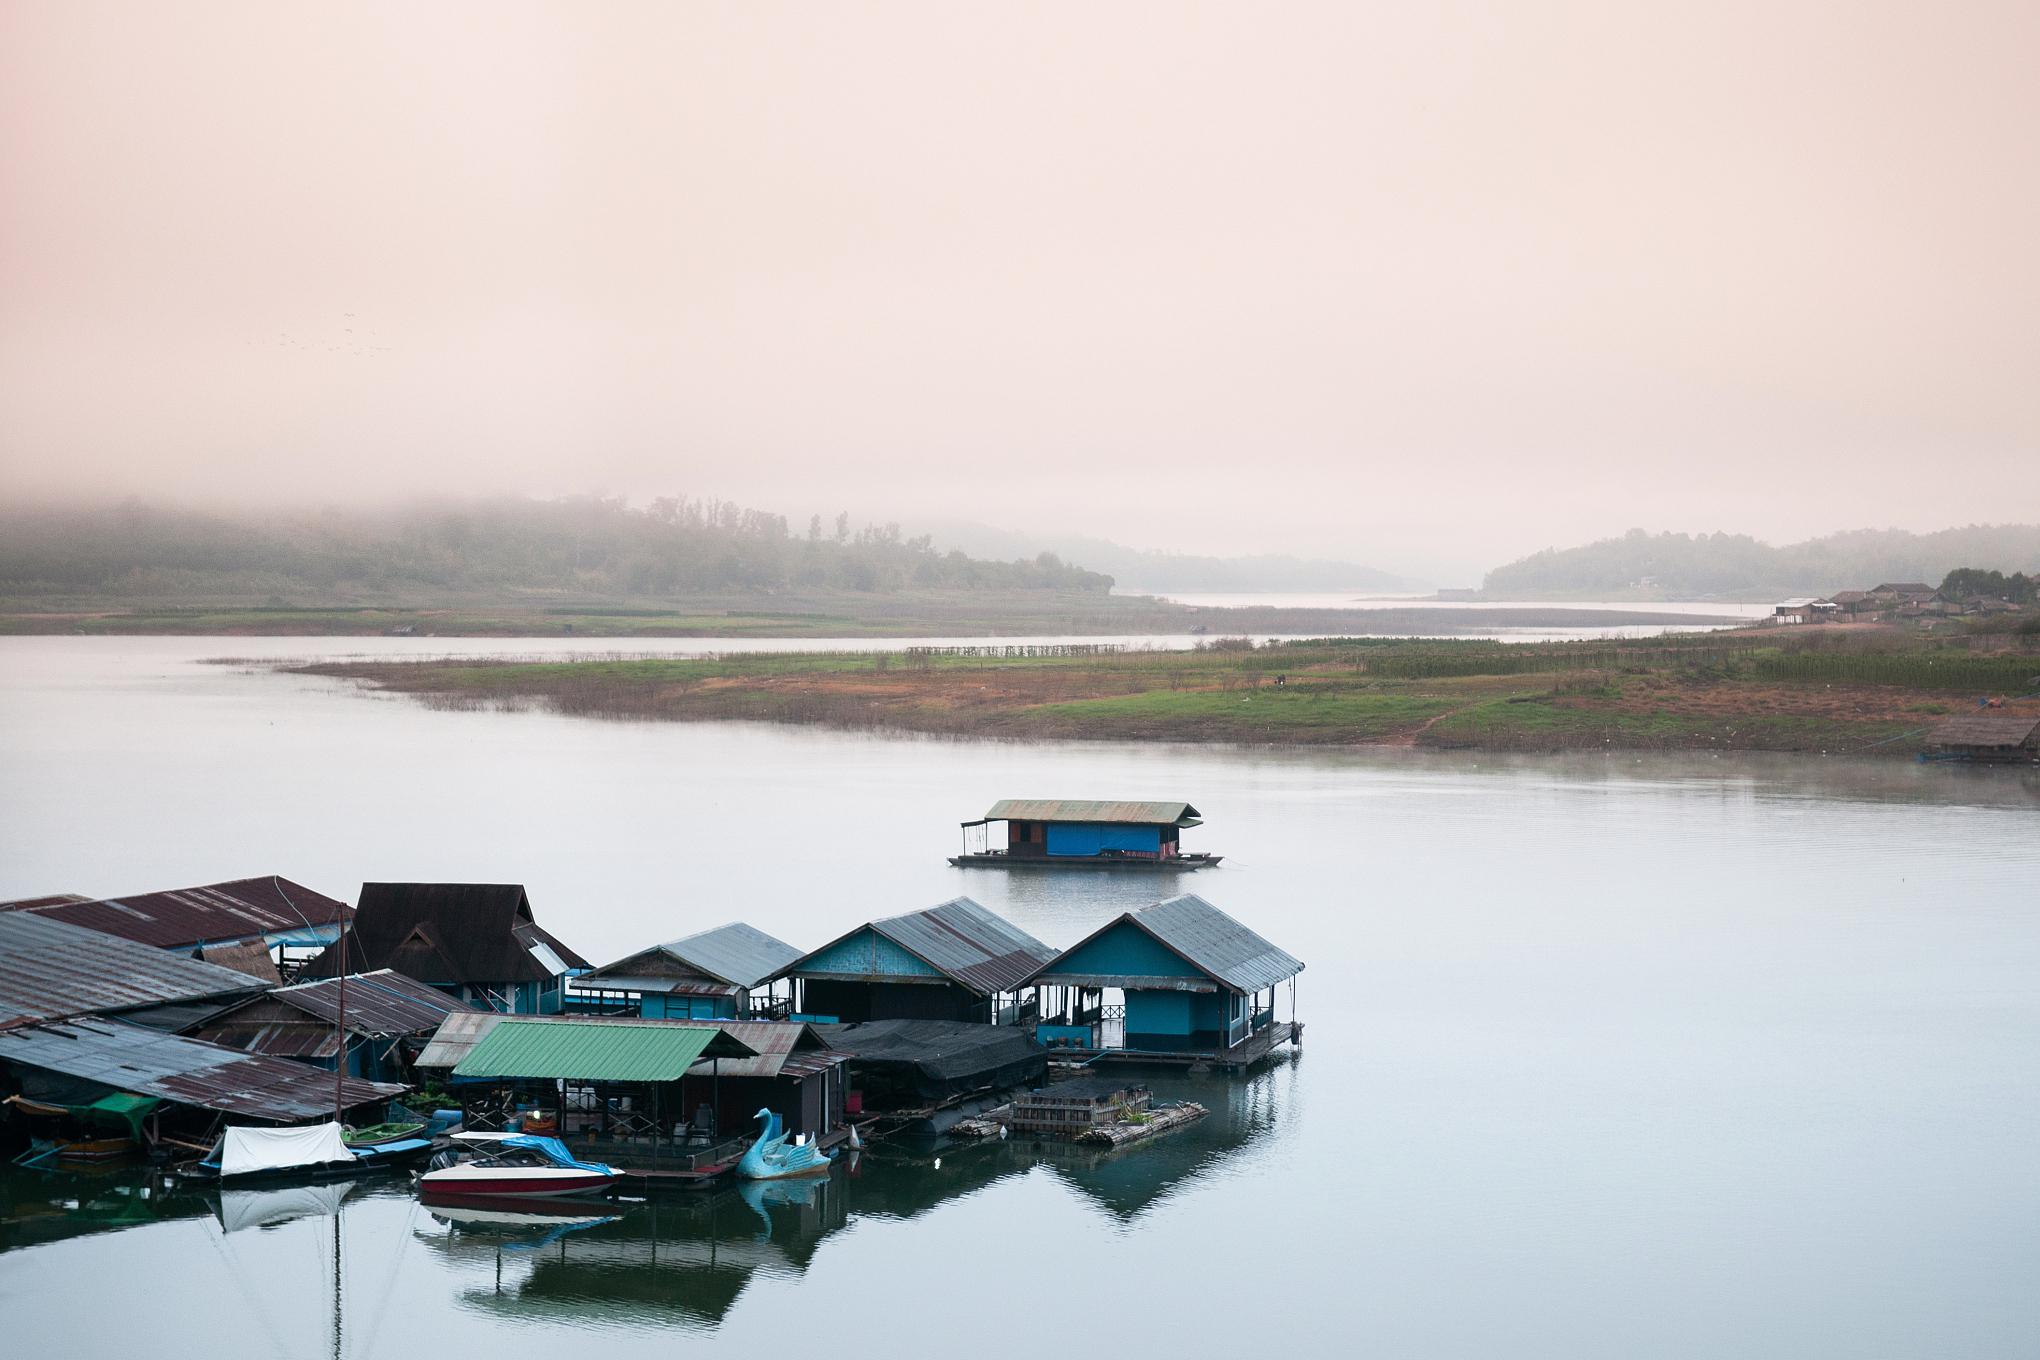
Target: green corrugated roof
(590,1050)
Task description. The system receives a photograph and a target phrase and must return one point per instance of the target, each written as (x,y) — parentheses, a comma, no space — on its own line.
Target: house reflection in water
(689,1259)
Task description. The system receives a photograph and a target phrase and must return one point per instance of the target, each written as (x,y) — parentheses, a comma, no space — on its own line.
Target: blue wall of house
(867,953)
(1125,951)
(659,1006)
(1090,838)
(1174,1020)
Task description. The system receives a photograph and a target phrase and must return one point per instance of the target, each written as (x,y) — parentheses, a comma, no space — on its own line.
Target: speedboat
(512,1166)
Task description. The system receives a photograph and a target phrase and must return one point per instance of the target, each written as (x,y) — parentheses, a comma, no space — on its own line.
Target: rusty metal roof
(2007,731)
(966,944)
(783,1048)
(241,909)
(1078,810)
(383,1003)
(277,1039)
(186,1071)
(736,954)
(50,971)
(457,1036)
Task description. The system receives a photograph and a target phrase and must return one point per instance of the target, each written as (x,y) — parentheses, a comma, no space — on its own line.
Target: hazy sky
(1424,285)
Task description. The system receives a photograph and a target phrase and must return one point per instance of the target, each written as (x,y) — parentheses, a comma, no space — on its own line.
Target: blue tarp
(554,1151)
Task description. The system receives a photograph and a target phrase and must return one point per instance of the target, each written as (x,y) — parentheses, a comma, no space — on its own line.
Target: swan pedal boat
(772,1157)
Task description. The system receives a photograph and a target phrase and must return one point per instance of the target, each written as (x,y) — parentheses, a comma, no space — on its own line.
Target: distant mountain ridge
(1139,569)
(1736,566)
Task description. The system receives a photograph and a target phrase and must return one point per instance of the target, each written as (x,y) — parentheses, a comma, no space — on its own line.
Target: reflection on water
(685,1259)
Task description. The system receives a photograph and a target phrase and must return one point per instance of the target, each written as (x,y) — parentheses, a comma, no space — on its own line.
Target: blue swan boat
(772,1157)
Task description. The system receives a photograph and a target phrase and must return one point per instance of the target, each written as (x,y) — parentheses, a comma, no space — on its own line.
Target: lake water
(1605,1056)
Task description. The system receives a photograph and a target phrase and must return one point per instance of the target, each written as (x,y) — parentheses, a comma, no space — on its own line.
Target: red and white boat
(514,1166)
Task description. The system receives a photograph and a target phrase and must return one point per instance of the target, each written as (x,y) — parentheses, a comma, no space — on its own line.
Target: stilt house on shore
(475,941)
(709,975)
(953,961)
(1198,986)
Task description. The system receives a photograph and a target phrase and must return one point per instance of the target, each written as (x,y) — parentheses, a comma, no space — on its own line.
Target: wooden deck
(998,859)
(1238,1058)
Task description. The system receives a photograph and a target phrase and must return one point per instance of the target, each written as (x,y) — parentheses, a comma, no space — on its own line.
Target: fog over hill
(1168,572)
(1735,566)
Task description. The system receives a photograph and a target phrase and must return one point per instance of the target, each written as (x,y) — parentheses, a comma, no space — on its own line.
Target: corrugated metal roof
(778,1045)
(457,1036)
(1217,943)
(277,1039)
(245,956)
(235,910)
(532,1048)
(736,953)
(1203,936)
(2005,730)
(52,900)
(966,944)
(187,1071)
(1079,810)
(382,1003)
(50,971)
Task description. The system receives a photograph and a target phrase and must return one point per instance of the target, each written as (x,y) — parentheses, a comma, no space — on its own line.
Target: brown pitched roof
(447,932)
(2005,731)
(240,909)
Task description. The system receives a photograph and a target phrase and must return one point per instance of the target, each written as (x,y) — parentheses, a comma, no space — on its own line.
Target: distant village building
(475,941)
(1805,609)
(955,961)
(709,975)
(1987,737)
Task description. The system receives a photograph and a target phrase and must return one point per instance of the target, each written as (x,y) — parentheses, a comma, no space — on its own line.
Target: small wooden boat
(511,1166)
(377,1135)
(772,1157)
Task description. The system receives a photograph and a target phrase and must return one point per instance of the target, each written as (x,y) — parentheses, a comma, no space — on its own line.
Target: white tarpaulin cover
(280,1204)
(244,1151)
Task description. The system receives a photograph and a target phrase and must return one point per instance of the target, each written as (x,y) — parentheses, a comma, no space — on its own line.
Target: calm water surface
(1606,1057)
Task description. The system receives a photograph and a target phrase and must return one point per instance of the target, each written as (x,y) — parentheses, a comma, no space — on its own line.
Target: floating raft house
(952,961)
(1063,833)
(1986,738)
(1199,987)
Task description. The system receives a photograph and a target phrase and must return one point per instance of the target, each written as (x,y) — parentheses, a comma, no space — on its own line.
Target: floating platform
(999,859)
(1247,1053)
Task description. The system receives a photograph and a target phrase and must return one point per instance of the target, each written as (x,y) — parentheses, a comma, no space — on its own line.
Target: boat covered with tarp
(312,1152)
(500,1166)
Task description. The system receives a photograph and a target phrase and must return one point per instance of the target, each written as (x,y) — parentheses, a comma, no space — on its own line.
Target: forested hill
(1736,566)
(582,549)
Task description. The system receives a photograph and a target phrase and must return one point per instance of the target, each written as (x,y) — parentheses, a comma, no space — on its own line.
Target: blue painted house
(709,975)
(1079,833)
(955,961)
(1194,982)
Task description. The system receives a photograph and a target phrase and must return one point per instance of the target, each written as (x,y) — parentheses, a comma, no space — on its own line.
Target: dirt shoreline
(1662,695)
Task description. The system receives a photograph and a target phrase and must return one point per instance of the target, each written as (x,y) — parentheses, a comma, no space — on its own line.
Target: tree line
(575,548)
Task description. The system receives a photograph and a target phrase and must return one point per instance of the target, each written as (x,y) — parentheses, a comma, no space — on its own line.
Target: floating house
(249,923)
(955,961)
(1994,738)
(388,1018)
(1062,833)
(1197,986)
(617,1089)
(1806,609)
(475,941)
(795,1073)
(710,975)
